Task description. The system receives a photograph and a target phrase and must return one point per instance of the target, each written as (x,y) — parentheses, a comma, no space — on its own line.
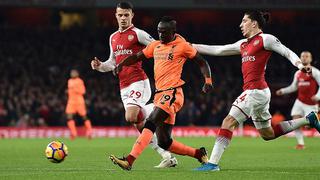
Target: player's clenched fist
(279,92)
(95,63)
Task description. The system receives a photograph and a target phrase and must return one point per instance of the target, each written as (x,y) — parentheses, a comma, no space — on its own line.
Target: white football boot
(166,163)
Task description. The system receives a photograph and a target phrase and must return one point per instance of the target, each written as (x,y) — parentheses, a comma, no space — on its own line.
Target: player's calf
(229,123)
(267,134)
(164,144)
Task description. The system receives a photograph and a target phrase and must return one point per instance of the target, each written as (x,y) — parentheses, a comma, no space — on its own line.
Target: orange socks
(87,125)
(72,126)
(142,142)
(181,149)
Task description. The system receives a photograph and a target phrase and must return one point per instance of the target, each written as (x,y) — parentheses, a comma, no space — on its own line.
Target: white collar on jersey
(126,29)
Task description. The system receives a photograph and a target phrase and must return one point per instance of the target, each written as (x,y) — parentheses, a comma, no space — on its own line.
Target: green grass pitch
(246,158)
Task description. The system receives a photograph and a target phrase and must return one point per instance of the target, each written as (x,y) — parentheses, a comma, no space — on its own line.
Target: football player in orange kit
(76,104)
(169,53)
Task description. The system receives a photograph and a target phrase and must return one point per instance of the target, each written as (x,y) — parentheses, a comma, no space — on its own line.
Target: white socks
(154,145)
(219,147)
(288,126)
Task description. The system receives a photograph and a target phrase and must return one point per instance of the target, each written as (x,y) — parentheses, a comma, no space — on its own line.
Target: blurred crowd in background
(35,64)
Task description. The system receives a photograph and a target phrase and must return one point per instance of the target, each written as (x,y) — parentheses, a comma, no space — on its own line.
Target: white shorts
(253,103)
(301,109)
(136,94)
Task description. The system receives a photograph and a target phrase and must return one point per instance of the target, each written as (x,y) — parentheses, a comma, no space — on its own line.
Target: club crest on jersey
(130,37)
(256,42)
(170,55)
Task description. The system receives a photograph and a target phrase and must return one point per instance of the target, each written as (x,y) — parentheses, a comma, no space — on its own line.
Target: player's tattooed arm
(206,72)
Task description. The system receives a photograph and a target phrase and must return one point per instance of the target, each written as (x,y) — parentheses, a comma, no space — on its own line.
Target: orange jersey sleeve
(189,50)
(148,51)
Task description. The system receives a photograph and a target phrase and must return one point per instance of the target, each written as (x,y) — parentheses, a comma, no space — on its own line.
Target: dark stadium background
(40,41)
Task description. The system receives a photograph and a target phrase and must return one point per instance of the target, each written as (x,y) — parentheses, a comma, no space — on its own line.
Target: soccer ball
(56,151)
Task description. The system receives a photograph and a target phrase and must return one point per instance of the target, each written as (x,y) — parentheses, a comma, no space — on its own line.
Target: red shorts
(171,101)
(74,108)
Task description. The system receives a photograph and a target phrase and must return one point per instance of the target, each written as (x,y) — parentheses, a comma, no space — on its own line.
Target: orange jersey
(169,60)
(76,90)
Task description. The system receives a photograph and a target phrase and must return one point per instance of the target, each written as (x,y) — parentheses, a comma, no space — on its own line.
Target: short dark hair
(125,5)
(261,17)
(170,20)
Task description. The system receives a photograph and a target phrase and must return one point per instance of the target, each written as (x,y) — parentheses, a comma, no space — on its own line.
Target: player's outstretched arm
(206,72)
(219,50)
(271,43)
(106,66)
(293,87)
(129,61)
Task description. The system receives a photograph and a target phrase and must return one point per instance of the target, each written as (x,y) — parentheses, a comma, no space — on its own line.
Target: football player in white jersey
(308,89)
(134,84)
(255,51)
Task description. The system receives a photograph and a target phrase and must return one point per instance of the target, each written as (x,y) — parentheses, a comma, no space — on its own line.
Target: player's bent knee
(85,117)
(150,125)
(267,134)
(229,123)
(131,118)
(132,114)
(69,116)
(158,116)
(164,144)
